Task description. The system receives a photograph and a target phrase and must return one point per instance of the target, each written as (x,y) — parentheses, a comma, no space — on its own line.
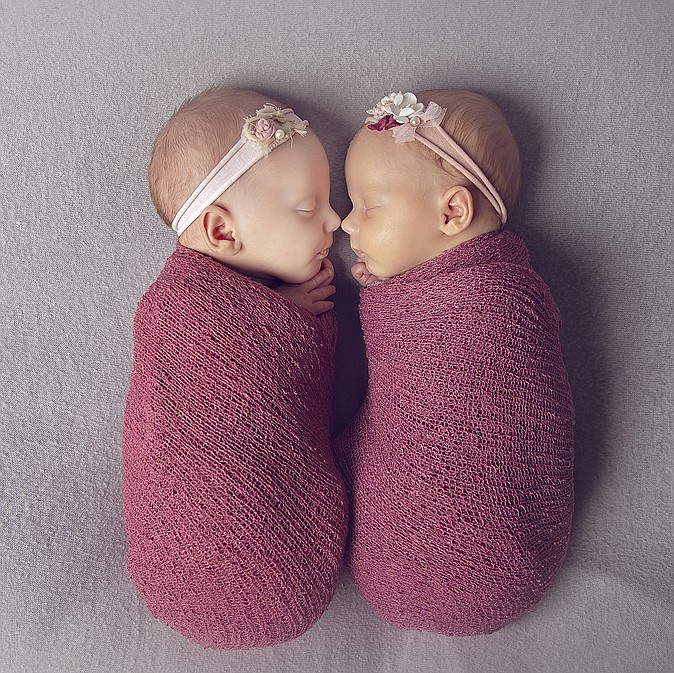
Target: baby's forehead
(364,139)
(371,152)
(297,167)
(298,155)
(376,144)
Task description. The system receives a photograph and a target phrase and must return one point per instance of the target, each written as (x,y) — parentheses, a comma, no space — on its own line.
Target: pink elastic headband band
(410,120)
(263,132)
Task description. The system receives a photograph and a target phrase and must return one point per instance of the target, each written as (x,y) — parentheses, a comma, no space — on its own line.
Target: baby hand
(312,294)
(362,275)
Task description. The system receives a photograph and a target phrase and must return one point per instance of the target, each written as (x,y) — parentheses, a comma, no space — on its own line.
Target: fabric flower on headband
(269,127)
(403,114)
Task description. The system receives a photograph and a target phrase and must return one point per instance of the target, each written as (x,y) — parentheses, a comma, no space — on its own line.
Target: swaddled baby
(234,511)
(459,463)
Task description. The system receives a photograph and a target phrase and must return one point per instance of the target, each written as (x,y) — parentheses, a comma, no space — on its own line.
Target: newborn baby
(459,463)
(234,511)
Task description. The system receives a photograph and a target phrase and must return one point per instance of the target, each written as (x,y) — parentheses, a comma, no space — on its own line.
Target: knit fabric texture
(459,464)
(234,510)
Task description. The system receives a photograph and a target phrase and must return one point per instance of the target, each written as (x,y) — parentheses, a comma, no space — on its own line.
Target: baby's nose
(333,221)
(347,224)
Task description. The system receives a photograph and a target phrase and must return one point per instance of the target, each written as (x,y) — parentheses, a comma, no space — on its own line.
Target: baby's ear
(457,210)
(219,231)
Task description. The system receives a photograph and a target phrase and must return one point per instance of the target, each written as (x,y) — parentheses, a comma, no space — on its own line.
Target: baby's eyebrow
(368,191)
(366,185)
(307,202)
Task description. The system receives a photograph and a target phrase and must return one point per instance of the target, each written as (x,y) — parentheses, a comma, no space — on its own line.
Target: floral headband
(410,120)
(268,128)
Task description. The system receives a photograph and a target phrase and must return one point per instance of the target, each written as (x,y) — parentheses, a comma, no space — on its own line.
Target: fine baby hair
(477,124)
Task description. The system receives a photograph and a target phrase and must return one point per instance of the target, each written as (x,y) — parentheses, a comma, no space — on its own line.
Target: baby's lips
(324,253)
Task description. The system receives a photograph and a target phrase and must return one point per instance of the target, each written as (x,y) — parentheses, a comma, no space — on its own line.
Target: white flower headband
(410,120)
(268,128)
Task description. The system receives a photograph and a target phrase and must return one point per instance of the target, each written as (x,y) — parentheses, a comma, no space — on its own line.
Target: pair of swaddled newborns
(450,495)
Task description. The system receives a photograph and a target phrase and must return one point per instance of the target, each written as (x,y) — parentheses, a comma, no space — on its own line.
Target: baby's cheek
(384,244)
(310,269)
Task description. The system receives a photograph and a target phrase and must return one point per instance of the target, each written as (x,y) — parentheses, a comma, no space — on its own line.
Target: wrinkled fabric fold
(234,510)
(459,464)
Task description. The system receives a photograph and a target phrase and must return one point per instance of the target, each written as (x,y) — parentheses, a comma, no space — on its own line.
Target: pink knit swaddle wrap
(234,511)
(460,461)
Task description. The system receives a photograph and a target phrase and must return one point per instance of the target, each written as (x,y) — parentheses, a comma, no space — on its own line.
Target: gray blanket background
(84,86)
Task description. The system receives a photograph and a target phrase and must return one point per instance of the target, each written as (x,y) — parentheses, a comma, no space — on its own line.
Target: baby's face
(395,221)
(283,209)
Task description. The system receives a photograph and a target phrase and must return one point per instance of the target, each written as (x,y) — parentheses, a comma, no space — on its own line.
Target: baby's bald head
(192,142)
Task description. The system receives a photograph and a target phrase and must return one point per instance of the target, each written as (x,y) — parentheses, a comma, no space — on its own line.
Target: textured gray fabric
(84,86)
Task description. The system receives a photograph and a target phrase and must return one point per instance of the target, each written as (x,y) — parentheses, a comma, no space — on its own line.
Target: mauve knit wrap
(234,510)
(459,463)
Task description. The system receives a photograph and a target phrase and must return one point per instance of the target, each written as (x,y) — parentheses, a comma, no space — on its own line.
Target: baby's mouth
(360,254)
(324,253)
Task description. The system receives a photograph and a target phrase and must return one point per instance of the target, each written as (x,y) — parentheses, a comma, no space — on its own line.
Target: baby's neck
(267,282)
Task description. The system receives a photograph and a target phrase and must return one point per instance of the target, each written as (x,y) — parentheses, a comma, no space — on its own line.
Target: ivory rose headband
(268,128)
(410,120)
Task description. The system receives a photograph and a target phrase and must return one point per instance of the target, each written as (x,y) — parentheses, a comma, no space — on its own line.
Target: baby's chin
(304,274)
(375,271)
